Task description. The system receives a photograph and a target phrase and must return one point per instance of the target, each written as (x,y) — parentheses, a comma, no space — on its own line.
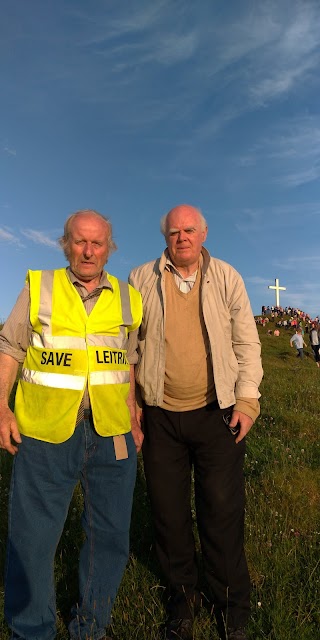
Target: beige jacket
(234,342)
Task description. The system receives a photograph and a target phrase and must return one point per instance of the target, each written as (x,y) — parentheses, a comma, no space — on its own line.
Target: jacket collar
(165,256)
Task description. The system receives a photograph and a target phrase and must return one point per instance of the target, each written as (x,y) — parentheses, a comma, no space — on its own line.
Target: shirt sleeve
(16,332)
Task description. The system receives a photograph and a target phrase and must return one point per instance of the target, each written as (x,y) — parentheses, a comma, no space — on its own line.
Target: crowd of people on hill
(286,317)
(275,312)
(293,318)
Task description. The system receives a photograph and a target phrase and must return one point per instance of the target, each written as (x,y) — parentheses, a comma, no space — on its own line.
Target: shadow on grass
(283,355)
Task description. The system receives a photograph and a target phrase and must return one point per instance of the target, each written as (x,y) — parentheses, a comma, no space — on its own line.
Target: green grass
(282,519)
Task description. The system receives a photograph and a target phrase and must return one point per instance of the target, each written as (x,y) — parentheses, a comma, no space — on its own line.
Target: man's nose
(182,235)
(87,249)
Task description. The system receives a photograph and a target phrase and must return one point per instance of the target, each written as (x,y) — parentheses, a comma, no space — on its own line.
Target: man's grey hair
(163,221)
(64,240)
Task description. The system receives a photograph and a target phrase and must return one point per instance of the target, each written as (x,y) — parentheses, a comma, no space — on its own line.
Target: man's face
(185,236)
(88,247)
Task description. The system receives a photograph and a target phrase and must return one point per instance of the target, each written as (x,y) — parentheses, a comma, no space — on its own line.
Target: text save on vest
(54,358)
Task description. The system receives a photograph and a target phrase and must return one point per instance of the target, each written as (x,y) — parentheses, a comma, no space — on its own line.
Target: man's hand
(135,417)
(8,429)
(244,423)
(137,433)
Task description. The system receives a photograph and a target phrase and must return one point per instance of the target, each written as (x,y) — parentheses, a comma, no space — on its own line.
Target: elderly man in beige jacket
(199,370)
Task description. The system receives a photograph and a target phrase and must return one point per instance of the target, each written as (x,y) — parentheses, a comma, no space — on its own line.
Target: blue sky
(131,108)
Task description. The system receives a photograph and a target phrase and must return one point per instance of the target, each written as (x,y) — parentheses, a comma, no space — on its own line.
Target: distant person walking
(314,342)
(299,342)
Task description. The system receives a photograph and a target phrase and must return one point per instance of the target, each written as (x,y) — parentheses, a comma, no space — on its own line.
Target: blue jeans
(43,480)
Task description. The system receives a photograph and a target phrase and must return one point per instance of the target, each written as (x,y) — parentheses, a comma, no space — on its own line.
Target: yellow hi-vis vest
(69,350)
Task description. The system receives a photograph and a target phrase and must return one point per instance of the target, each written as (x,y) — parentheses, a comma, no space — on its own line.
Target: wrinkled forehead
(88,224)
(183,220)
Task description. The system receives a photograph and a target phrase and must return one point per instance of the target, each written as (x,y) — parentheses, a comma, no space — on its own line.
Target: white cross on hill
(277,289)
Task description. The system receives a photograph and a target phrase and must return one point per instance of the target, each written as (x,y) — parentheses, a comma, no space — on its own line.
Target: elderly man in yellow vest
(75,331)
(199,369)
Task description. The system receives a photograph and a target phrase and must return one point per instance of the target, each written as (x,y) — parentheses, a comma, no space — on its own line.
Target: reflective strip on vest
(94,340)
(56,380)
(109,377)
(67,342)
(45,307)
(57,342)
(125,303)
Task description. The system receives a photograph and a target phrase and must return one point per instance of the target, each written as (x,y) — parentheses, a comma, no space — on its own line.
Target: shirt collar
(103,284)
(169,266)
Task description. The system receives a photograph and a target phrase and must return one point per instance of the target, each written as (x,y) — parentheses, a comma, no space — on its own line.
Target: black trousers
(174,443)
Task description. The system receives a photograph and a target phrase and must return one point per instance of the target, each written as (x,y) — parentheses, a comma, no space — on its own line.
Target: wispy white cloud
(292,263)
(127,21)
(6,235)
(303,297)
(164,61)
(289,150)
(256,280)
(39,237)
(274,219)
(300,177)
(10,152)
(264,56)
(291,55)
(296,136)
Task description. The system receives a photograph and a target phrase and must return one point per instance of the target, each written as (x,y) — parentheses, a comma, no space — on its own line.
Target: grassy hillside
(282,519)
